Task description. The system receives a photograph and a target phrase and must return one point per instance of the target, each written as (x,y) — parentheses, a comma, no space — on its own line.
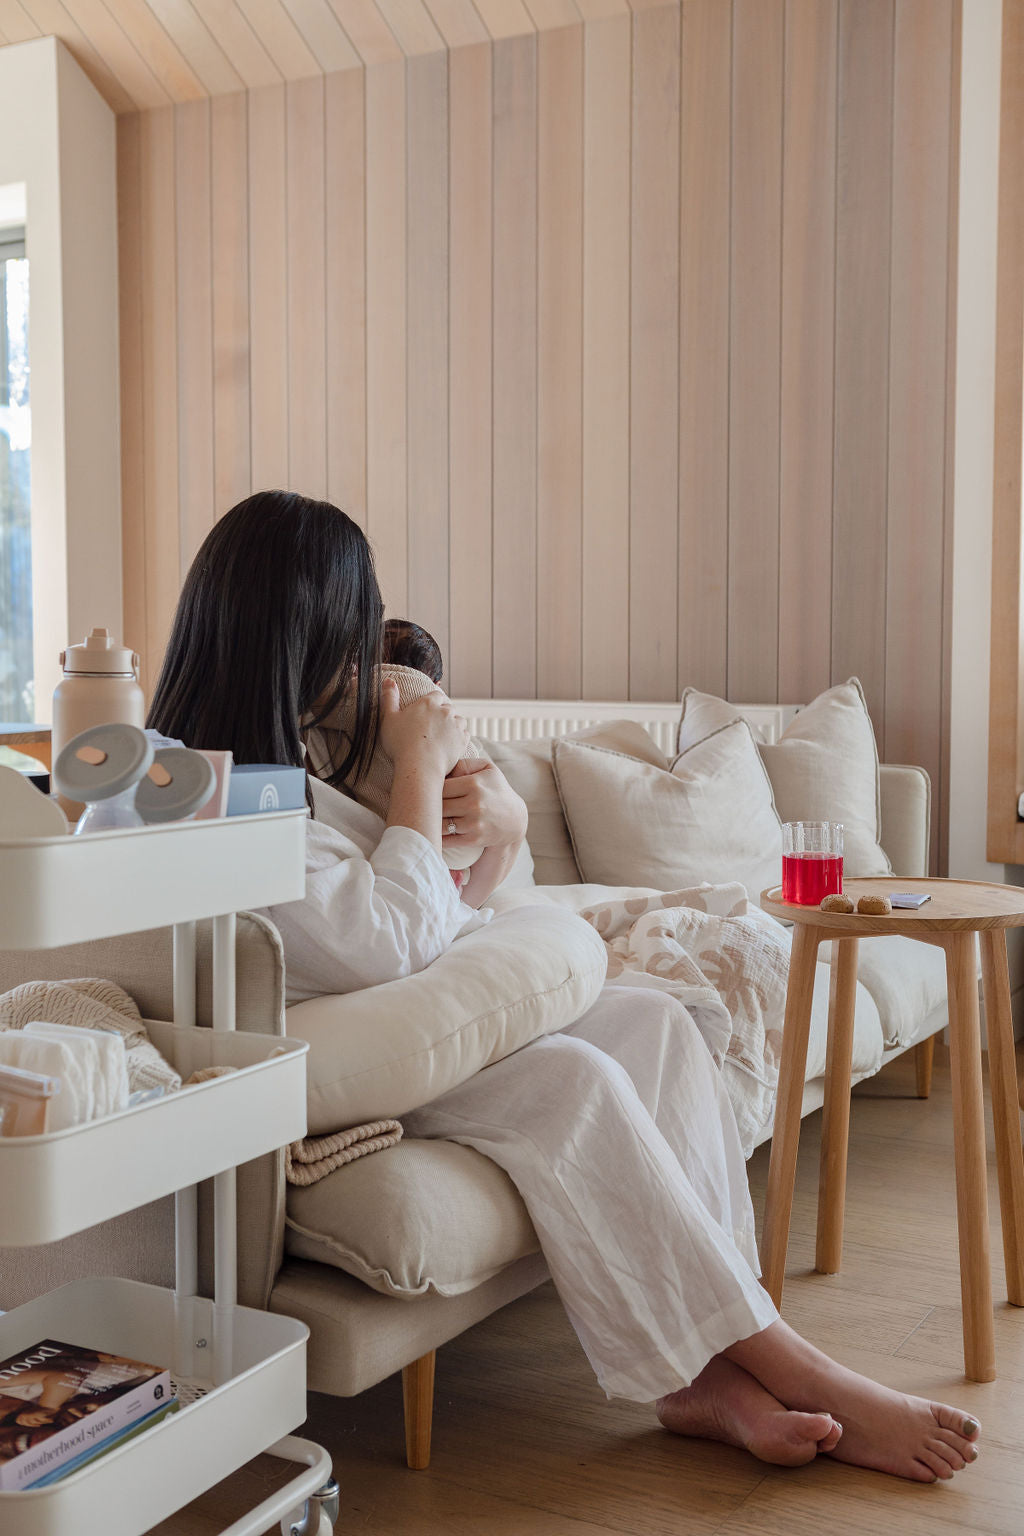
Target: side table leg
(778,1203)
(835,1126)
(1002,1071)
(969,1151)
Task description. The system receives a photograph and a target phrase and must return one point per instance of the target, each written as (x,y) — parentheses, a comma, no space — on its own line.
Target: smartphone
(909,899)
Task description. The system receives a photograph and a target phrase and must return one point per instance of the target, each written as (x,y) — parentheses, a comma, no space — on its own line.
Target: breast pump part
(178,783)
(24,812)
(102,762)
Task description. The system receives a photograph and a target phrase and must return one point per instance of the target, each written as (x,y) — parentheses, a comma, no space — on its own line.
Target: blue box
(265,787)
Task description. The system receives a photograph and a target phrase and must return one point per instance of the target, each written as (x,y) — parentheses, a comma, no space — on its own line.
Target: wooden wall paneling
(53,19)
(654,357)
(754,349)
(386,438)
(412,24)
(917,396)
(607,136)
(345,215)
(514,600)
(273,23)
(268,288)
(159,49)
(505,18)
(195,326)
(16,25)
(324,35)
(133,488)
(559,362)
(863,225)
(808,358)
(941,866)
(459,23)
(427,214)
(552,15)
(1005,841)
(229,27)
(469,370)
(159,383)
(106,36)
(211,66)
(705,148)
(232,456)
(307,299)
(370,34)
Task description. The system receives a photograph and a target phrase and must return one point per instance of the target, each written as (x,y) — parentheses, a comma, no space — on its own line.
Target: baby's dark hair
(406,644)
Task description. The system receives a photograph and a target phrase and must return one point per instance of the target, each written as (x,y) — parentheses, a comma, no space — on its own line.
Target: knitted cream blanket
(92,1003)
(727,963)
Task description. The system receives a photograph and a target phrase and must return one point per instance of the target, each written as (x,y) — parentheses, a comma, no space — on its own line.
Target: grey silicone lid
(127,756)
(191,784)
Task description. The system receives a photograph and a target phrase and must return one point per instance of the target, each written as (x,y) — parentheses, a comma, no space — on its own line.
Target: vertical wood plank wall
(626,341)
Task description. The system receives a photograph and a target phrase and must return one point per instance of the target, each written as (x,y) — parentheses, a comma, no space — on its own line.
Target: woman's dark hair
(280,611)
(407,644)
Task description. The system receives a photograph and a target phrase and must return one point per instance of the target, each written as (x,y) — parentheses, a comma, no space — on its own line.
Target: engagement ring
(449,826)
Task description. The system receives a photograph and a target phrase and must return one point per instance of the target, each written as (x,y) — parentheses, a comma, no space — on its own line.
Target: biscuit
(875,906)
(837,903)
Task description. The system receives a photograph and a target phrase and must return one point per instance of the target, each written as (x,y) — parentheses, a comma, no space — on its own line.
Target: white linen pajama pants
(620,1138)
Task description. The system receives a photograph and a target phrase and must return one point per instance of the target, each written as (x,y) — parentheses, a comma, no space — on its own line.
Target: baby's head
(406,644)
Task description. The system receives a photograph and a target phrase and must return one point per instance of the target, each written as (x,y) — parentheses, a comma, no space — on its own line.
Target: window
(17,700)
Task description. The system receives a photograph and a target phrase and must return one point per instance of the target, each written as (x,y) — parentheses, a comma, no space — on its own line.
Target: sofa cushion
(824,767)
(907,980)
(421,1216)
(527,766)
(710,818)
(377,1053)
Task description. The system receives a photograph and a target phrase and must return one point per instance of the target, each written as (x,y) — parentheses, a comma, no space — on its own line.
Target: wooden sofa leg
(418,1397)
(924,1055)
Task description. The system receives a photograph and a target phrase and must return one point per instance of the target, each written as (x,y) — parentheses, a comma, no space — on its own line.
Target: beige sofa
(391,1256)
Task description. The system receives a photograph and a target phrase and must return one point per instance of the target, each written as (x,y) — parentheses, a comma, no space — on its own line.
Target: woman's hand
(483,806)
(427,730)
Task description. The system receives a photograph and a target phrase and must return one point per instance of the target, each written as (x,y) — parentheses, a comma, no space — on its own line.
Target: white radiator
(529,719)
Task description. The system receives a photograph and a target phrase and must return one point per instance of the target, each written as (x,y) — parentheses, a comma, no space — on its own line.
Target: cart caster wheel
(317,1515)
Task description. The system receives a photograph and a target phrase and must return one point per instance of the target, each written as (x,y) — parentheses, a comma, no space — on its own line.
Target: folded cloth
(91,1003)
(308,1161)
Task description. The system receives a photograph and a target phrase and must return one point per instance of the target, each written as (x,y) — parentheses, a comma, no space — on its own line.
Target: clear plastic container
(105,815)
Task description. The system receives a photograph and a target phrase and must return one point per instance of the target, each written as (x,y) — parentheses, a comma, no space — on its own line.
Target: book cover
(58,1400)
(120,1437)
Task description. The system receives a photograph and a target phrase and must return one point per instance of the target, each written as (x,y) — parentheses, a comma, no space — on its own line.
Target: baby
(411,658)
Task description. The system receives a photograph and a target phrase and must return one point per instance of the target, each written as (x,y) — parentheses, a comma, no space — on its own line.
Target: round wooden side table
(958,910)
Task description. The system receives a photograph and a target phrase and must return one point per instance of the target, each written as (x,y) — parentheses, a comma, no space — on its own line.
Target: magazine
(59,1400)
(94,1452)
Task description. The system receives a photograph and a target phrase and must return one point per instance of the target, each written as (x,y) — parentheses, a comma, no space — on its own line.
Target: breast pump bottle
(100,686)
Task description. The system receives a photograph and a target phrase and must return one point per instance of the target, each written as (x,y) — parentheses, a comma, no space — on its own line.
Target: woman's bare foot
(887,1430)
(726,1403)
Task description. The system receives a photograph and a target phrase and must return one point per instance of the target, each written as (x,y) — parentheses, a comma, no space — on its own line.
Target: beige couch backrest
(141,1243)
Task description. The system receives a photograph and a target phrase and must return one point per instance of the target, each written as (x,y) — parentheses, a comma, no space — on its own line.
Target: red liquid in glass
(807,877)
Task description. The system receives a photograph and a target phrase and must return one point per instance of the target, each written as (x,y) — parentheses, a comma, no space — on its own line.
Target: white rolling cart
(240,1373)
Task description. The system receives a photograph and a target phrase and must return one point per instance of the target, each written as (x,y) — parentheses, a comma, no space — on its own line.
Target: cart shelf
(248,1366)
(67,1180)
(67,890)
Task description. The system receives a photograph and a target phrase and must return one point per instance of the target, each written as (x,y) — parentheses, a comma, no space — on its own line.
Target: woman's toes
(832,1439)
(948,1453)
(963,1425)
(935,1464)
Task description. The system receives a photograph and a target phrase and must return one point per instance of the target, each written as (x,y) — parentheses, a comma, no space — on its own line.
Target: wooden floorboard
(525,1443)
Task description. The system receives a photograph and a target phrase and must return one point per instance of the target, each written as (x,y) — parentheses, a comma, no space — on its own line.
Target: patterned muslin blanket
(727,963)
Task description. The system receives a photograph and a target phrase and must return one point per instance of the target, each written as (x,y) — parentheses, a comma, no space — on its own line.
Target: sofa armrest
(906,794)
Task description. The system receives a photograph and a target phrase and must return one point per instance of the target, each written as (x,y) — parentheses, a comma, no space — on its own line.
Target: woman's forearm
(416,797)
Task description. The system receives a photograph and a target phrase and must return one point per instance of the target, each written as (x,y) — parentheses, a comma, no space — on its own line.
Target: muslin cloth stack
(92,1003)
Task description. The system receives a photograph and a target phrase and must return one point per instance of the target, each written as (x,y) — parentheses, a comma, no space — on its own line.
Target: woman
(616,1131)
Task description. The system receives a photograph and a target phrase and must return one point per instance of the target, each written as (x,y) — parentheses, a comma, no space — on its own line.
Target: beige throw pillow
(823,768)
(711,817)
(527,766)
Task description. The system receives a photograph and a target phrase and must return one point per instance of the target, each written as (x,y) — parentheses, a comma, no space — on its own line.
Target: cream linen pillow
(823,768)
(711,817)
(527,766)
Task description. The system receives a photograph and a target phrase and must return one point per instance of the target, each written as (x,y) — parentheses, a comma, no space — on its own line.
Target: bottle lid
(100,652)
(102,761)
(177,784)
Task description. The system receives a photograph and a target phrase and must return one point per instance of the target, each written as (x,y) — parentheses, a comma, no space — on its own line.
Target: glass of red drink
(812,861)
